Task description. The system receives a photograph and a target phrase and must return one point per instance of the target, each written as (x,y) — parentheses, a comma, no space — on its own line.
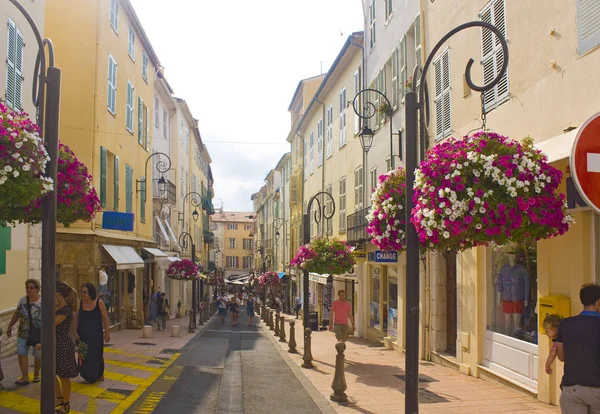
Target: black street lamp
(195,203)
(318,216)
(183,243)
(278,223)
(416,112)
(162,167)
(46,98)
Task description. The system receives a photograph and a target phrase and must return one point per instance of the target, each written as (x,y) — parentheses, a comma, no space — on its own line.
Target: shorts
(342,332)
(23,349)
(516,306)
(222,311)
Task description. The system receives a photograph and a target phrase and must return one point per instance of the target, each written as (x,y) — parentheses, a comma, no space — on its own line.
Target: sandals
(36,379)
(65,407)
(21,382)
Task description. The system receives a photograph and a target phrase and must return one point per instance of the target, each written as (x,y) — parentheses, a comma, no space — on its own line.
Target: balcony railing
(357,227)
(169,194)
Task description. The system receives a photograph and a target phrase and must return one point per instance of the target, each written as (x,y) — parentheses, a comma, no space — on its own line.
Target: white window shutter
(492,56)
(446,93)
(418,45)
(11,50)
(588,25)
(19,70)
(439,105)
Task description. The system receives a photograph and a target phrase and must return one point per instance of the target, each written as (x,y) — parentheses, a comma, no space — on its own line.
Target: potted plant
(487,188)
(183,269)
(23,159)
(387,216)
(324,256)
(409,83)
(269,278)
(384,109)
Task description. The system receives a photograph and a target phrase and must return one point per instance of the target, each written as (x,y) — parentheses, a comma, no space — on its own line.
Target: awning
(155,252)
(161,226)
(203,276)
(558,147)
(281,275)
(174,259)
(124,256)
(171,231)
(315,277)
(353,278)
(160,258)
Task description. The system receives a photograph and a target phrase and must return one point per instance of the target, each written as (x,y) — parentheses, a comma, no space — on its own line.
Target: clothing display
(513,286)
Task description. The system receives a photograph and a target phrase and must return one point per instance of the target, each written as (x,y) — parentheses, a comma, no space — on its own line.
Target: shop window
(512,292)
(375,299)
(392,325)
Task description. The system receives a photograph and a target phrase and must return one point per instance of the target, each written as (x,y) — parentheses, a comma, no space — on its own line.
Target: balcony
(357,227)
(209,237)
(169,194)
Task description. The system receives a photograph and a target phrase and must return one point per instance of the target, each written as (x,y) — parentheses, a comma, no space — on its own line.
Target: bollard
(200,318)
(292,343)
(282,329)
(175,331)
(307,357)
(276,323)
(147,331)
(271,324)
(339,379)
(265,313)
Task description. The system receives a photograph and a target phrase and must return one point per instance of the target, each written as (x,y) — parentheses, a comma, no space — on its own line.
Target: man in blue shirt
(579,348)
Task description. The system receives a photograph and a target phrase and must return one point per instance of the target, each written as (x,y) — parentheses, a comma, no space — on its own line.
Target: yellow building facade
(237,244)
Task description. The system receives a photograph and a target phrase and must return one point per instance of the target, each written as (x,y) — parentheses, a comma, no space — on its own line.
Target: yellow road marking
(91,407)
(132,365)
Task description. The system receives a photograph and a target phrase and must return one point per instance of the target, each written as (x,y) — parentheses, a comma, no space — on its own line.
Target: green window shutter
(5,245)
(103,166)
(140,121)
(146,137)
(128,189)
(143,200)
(14,66)
(116,183)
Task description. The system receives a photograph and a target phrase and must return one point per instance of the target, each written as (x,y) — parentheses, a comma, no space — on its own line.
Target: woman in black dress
(88,320)
(66,366)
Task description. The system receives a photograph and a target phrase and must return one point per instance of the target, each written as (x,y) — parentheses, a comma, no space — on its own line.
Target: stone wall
(35,252)
(9,345)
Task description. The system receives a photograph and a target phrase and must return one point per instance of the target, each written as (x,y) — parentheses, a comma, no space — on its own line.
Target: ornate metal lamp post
(318,216)
(416,109)
(46,98)
(278,223)
(195,216)
(183,243)
(162,167)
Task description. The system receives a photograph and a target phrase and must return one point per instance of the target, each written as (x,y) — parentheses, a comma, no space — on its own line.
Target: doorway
(451,317)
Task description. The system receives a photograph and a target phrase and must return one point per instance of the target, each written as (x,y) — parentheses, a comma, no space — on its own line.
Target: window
(328,208)
(232,243)
(393,63)
(145,67)
(329,130)
(358,105)
(128,189)
(374,178)
(114,15)
(109,180)
(14,67)
(143,200)
(588,25)
(358,189)
(129,117)
(402,79)
(418,44)
(112,85)
(131,44)
(380,86)
(187,140)
(492,56)
(443,125)
(311,138)
(342,204)
(248,227)
(116,183)
(231,226)
(388,164)
(232,261)
(247,262)
(142,123)
(388,9)
(165,124)
(343,117)
(320,142)
(103,171)
(372,27)
(247,244)
(305,150)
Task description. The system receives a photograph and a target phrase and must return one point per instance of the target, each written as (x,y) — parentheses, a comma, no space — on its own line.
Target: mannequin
(512,287)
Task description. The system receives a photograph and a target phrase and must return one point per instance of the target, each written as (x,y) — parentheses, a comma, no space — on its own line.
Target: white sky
(237,64)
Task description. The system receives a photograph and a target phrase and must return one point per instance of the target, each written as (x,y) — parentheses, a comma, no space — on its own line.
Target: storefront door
(451,317)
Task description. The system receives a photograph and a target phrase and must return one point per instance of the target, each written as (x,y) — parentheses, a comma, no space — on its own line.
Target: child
(551,323)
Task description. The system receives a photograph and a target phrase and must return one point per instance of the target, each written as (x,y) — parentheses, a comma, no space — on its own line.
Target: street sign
(585,162)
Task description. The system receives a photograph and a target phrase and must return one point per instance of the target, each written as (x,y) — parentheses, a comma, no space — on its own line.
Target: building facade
(237,245)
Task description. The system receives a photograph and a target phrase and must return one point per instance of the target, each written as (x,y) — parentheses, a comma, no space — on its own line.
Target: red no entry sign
(585,161)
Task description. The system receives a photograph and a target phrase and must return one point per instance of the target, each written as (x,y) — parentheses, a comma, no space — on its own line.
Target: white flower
(478,226)
(446,235)
(15,173)
(18,145)
(8,168)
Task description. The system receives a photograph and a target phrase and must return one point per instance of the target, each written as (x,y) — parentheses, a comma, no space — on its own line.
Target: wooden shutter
(443,124)
(146,137)
(103,167)
(10,63)
(19,70)
(143,199)
(140,121)
(588,25)
(492,56)
(116,184)
(128,189)
(402,78)
(418,46)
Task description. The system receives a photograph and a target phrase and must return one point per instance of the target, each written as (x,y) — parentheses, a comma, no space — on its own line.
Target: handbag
(34,336)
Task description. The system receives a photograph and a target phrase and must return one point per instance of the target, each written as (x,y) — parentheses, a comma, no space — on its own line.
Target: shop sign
(585,162)
(380,256)
(112,220)
(359,255)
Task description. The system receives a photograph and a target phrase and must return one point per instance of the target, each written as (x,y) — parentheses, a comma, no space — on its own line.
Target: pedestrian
(297,306)
(578,346)
(234,307)
(341,311)
(66,366)
(551,324)
(29,315)
(89,320)
(162,312)
(250,309)
(222,306)
(277,304)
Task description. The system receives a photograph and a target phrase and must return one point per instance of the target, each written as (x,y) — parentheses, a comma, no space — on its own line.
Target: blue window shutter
(140,121)
(143,200)
(128,189)
(103,165)
(116,183)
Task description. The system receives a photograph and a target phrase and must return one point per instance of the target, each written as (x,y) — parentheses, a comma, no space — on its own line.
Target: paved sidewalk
(132,364)
(375,385)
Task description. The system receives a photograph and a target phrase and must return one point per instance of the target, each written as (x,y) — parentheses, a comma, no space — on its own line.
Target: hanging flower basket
(23,159)
(487,188)
(215,281)
(269,279)
(183,269)
(387,217)
(324,256)
(384,109)
(76,196)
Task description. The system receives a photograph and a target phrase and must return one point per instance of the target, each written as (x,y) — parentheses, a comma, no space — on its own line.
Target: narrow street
(228,370)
